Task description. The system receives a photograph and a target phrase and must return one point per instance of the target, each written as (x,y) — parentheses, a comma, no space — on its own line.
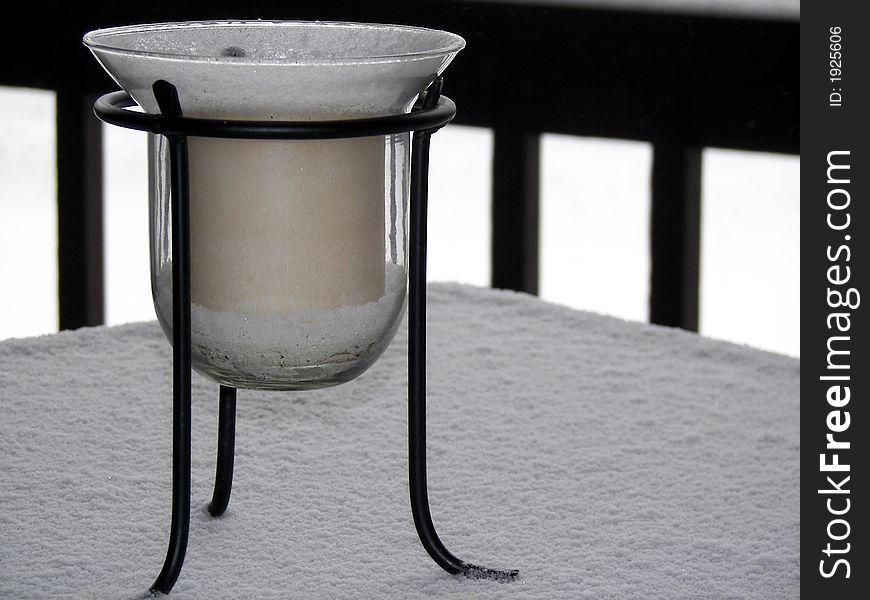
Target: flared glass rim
(96,40)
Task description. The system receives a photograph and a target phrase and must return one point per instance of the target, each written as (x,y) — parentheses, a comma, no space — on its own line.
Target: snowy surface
(604,459)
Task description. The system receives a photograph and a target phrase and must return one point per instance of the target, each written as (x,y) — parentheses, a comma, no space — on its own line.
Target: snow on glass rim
(262,42)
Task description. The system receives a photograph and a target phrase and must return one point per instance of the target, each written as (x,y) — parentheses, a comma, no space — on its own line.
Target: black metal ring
(112,108)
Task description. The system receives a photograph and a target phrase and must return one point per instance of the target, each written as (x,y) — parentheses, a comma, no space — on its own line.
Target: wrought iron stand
(431,113)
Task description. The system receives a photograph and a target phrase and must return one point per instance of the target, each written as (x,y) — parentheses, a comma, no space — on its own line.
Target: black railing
(679,81)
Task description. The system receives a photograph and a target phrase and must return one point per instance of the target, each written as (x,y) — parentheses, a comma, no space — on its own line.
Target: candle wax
(278,226)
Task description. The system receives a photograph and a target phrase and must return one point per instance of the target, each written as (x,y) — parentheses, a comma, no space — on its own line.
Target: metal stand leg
(223,480)
(167,98)
(417,364)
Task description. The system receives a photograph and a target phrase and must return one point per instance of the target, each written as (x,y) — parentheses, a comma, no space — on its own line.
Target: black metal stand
(431,113)
(223,478)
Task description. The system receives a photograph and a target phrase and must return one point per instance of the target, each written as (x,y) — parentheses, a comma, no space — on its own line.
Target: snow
(245,348)
(602,458)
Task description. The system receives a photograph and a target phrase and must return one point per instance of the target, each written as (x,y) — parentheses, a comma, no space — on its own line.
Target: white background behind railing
(594,227)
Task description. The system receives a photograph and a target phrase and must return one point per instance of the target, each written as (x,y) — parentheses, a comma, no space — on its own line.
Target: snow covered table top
(603,459)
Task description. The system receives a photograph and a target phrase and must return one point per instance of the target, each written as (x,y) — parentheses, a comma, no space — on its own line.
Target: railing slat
(515,220)
(675,235)
(80,210)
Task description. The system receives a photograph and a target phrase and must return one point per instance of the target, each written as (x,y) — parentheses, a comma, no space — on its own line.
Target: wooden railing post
(675,235)
(515,209)
(80,210)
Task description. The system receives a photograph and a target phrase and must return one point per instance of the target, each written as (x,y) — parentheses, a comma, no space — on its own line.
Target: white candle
(278,226)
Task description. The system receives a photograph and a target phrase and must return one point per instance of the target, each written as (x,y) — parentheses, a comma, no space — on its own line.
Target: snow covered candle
(298,275)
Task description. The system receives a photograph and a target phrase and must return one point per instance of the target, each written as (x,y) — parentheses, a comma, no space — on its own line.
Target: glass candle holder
(298,248)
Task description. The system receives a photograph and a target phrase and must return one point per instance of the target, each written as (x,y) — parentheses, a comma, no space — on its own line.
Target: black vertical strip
(835,225)
(79,210)
(179,528)
(226,450)
(515,212)
(675,235)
